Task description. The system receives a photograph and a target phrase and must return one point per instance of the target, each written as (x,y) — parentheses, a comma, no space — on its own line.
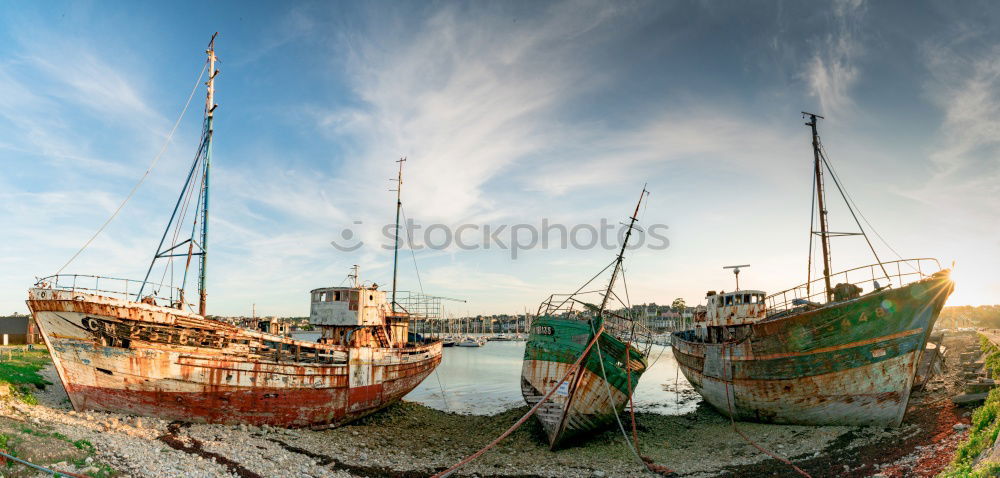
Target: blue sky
(509,113)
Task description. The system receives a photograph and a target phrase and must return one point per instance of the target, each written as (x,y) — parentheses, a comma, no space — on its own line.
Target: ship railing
(567,305)
(869,278)
(114,287)
(625,328)
(417,305)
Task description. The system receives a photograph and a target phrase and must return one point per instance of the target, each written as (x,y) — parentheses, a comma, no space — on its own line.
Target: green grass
(984,430)
(20,370)
(103,471)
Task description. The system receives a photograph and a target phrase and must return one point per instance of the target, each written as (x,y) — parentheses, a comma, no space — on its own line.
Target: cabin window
(336,295)
(746,299)
(316,296)
(729,300)
(329,296)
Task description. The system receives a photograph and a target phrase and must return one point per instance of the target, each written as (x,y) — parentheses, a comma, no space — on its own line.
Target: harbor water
(487,380)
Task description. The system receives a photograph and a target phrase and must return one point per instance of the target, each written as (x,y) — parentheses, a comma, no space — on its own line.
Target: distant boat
(817,354)
(601,386)
(139,348)
(470,342)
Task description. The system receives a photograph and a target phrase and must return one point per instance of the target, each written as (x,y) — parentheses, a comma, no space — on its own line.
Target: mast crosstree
(194,182)
(819,161)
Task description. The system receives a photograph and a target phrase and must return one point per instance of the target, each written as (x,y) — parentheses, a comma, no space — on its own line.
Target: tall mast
(395,249)
(209,116)
(621,253)
(824,233)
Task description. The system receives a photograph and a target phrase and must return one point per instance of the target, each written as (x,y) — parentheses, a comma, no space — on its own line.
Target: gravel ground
(408,439)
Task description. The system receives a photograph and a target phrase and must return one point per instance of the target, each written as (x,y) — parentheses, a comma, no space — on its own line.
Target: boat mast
(395,249)
(209,117)
(621,253)
(824,233)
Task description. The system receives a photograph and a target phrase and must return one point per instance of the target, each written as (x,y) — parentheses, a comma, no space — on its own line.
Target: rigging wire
(604,373)
(177,231)
(836,181)
(812,229)
(862,214)
(585,284)
(409,243)
(524,418)
(156,159)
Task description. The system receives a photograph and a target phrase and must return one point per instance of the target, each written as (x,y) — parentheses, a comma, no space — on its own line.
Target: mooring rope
(611,401)
(156,159)
(650,464)
(523,419)
(39,467)
(739,432)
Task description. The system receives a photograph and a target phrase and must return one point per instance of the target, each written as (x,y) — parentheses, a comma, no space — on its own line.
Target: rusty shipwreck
(584,358)
(817,353)
(138,347)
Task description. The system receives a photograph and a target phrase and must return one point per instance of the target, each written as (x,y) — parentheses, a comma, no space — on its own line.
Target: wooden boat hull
(586,402)
(127,357)
(848,363)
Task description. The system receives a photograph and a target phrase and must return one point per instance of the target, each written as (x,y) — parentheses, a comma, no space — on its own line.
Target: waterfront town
(565,238)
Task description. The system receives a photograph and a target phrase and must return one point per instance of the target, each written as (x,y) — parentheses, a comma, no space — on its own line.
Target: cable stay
(821,163)
(197,180)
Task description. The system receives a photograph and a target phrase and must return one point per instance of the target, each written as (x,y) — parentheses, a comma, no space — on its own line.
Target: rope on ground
(650,464)
(523,419)
(444,396)
(39,467)
(611,400)
(739,432)
(156,159)
(645,460)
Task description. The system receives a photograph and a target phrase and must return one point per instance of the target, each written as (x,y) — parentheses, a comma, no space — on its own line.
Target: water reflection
(487,380)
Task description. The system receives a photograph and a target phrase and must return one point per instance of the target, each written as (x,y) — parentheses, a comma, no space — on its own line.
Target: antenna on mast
(355,276)
(736,272)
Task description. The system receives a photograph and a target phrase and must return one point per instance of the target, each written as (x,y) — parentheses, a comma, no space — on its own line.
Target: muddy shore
(413,440)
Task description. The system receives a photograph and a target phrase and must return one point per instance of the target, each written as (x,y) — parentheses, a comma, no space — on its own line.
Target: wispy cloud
(965,84)
(466,100)
(832,70)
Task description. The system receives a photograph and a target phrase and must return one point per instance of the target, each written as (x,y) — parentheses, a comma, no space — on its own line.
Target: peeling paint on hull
(849,363)
(121,356)
(585,402)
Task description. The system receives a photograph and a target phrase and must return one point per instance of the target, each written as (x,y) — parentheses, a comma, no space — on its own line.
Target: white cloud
(464,100)
(832,71)
(966,86)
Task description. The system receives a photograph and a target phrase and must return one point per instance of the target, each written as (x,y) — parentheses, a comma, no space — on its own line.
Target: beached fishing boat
(596,390)
(818,353)
(138,347)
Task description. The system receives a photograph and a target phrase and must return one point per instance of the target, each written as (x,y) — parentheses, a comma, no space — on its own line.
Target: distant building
(18,330)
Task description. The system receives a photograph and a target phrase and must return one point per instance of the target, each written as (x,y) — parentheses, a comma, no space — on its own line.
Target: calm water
(487,380)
